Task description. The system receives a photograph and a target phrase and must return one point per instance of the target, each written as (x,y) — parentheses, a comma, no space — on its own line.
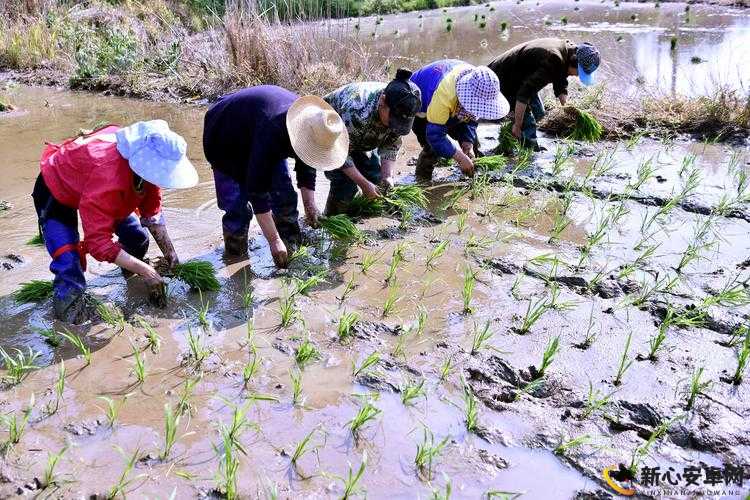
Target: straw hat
(317,133)
(478,91)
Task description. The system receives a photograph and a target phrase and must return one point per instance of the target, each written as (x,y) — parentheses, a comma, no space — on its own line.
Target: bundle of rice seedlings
(37,240)
(491,163)
(33,291)
(340,227)
(586,128)
(507,142)
(198,274)
(406,196)
(361,206)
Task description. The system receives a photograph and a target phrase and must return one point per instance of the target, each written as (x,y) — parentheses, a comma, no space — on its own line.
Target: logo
(613,475)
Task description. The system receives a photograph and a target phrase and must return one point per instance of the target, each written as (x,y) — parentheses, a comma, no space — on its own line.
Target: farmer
(247,137)
(527,68)
(112,177)
(376,115)
(454,96)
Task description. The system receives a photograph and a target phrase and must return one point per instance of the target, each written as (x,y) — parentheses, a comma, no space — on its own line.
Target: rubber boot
(235,245)
(425,166)
(73,309)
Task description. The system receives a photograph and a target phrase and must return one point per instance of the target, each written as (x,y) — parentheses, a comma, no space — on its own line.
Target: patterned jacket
(357,104)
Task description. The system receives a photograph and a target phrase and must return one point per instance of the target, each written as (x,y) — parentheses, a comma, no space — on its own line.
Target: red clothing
(91,175)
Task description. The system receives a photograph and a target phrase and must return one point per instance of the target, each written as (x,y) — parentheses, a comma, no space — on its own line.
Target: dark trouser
(232,198)
(534,113)
(428,158)
(343,189)
(58,225)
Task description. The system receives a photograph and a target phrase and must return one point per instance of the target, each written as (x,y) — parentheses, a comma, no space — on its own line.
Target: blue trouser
(534,113)
(232,198)
(343,189)
(58,225)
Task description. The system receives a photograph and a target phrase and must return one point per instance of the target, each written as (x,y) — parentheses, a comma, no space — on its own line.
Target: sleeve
(99,225)
(534,83)
(390,150)
(150,207)
(467,132)
(437,137)
(305,175)
(560,85)
(264,159)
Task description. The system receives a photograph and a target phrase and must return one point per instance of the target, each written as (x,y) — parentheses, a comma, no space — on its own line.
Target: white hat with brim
(317,133)
(157,154)
(478,91)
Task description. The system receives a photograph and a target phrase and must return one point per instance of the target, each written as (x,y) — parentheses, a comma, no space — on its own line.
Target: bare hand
(151,277)
(386,184)
(279,253)
(464,163)
(516,131)
(371,191)
(312,214)
(468,149)
(171,260)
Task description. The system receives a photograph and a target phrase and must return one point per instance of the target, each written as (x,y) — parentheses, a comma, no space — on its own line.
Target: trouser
(533,114)
(428,158)
(58,226)
(232,198)
(343,189)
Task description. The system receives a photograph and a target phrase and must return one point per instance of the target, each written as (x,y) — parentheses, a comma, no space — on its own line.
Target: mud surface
(505,228)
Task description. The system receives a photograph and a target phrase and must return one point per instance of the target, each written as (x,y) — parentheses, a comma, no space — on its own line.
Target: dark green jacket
(527,68)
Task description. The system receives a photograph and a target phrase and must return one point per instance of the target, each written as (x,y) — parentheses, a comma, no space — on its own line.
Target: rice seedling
(198,275)
(60,385)
(391,299)
(564,447)
(369,362)
(306,353)
(14,426)
(743,357)
(36,240)
(461,221)
(184,404)
(560,158)
(595,402)
(467,292)
(616,213)
(399,349)
(303,287)
(296,378)
(251,368)
(125,480)
(351,481)
(361,206)
(534,312)
(197,346)
(696,387)
(436,253)
(656,342)
(427,452)
(586,128)
(593,239)
(692,253)
(480,337)
(288,308)
(732,294)
(139,365)
(368,261)
(247,294)
(51,337)
(49,478)
(645,171)
(446,367)
(393,267)
(412,391)
(528,388)
(78,343)
(346,323)
(633,141)
(642,451)
(625,362)
(202,313)
(19,366)
(153,338)
(231,433)
(33,291)
(348,288)
(112,411)
(559,223)
(471,409)
(406,196)
(366,413)
(112,316)
(171,421)
(553,347)
(421,320)
(492,163)
(229,465)
(340,227)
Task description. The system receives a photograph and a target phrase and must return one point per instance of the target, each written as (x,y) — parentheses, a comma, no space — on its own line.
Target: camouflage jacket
(357,104)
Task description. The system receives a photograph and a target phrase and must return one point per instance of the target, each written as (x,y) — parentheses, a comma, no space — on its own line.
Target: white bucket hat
(478,91)
(157,154)
(317,133)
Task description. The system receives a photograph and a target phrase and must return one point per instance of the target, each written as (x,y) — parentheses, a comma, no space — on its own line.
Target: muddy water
(519,426)
(634,39)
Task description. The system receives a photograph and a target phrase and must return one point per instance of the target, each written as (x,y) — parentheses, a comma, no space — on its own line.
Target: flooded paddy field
(583,308)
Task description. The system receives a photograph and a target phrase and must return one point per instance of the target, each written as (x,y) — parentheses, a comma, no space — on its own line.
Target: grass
(412,391)
(171,421)
(467,292)
(198,275)
(34,291)
(19,366)
(306,353)
(427,452)
(371,360)
(340,227)
(480,337)
(346,323)
(435,254)
(366,413)
(553,347)
(595,401)
(79,344)
(625,362)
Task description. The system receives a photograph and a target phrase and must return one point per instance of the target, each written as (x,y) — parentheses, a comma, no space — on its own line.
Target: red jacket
(89,174)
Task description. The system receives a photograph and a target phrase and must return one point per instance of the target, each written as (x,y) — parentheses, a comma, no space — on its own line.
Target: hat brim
(482,110)
(585,78)
(171,174)
(303,142)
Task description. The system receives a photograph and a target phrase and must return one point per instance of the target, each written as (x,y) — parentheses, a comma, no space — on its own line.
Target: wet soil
(619,290)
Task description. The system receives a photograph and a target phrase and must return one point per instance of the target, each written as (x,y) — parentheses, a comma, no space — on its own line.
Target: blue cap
(588,61)
(157,154)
